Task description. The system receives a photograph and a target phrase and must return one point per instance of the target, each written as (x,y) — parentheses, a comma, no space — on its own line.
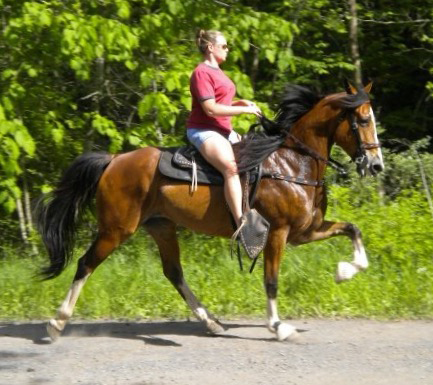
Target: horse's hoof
(286,332)
(345,271)
(214,327)
(53,330)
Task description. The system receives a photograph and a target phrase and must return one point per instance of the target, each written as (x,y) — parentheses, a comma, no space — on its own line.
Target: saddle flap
(254,233)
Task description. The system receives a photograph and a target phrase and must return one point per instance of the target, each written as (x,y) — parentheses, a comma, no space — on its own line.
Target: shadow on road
(148,332)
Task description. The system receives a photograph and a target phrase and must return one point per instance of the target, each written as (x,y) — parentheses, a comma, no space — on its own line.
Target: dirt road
(337,352)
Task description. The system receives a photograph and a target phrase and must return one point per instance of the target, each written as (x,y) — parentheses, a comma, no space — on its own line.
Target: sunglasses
(223,46)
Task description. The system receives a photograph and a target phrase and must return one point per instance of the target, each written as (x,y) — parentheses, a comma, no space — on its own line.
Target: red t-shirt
(210,83)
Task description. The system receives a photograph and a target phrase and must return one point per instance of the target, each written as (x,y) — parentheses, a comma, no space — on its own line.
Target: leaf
(270,55)
(32,72)
(58,135)
(123,11)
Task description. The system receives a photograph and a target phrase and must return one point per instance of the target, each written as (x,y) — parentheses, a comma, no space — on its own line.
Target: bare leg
(273,252)
(219,152)
(164,233)
(345,270)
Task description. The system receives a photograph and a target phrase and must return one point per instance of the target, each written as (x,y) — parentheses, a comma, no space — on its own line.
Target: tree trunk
(353,40)
(22,220)
(28,216)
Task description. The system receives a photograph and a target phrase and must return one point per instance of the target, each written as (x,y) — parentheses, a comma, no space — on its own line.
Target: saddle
(187,164)
(178,163)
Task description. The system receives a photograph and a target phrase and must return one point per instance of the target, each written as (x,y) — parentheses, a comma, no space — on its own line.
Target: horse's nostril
(377,167)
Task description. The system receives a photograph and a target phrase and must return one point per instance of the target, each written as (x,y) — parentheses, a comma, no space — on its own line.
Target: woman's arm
(212,108)
(243,102)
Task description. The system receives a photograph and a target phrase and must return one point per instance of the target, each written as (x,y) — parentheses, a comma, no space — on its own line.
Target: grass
(130,284)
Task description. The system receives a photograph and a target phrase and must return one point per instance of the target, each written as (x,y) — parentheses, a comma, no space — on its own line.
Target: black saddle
(177,163)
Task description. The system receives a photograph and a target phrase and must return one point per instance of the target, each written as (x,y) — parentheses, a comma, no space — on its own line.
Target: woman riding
(209,126)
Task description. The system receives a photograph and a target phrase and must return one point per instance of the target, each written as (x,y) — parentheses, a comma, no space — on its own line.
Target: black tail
(59,212)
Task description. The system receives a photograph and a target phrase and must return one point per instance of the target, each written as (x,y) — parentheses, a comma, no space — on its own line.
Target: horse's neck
(316,130)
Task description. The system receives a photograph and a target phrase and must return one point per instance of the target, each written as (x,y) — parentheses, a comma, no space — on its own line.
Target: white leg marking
(346,270)
(283,330)
(360,256)
(201,314)
(56,325)
(272,315)
(213,326)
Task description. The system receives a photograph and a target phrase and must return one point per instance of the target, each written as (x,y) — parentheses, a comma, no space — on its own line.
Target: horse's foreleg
(96,254)
(345,270)
(273,252)
(163,232)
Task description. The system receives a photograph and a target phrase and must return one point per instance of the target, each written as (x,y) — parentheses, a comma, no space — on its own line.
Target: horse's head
(356,130)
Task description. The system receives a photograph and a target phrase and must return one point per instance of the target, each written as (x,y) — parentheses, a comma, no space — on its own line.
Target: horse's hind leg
(163,232)
(98,251)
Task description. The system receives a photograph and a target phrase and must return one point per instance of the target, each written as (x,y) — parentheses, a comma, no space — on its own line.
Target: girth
(293,179)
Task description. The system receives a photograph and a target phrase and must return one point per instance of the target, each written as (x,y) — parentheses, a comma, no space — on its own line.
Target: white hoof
(345,271)
(286,332)
(53,330)
(214,327)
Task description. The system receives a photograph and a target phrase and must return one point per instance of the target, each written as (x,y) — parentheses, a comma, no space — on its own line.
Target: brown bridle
(360,157)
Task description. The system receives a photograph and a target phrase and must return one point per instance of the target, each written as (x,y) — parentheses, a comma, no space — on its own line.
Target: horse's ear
(367,88)
(351,90)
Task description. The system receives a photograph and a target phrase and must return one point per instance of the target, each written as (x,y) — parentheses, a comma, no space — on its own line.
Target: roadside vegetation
(397,233)
(113,75)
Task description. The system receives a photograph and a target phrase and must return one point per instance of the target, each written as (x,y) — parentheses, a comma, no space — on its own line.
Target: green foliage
(130,284)
(114,75)
(77,75)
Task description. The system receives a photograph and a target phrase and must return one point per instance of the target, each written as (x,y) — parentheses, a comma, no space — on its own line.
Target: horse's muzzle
(375,165)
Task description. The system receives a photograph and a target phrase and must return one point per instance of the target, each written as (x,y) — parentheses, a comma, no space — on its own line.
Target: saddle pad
(206,174)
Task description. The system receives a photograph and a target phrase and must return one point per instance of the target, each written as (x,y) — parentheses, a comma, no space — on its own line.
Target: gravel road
(337,352)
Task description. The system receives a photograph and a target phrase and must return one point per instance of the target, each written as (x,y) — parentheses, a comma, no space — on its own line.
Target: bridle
(360,158)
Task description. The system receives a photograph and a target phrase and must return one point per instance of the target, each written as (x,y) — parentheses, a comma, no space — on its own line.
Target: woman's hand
(254,110)
(250,107)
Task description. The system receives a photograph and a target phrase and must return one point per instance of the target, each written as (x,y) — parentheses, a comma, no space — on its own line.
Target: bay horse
(131,192)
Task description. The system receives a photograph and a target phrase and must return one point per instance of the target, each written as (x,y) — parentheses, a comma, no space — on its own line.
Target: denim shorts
(197,136)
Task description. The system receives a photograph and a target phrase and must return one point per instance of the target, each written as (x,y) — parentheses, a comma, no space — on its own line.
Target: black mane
(253,150)
(296,102)
(352,101)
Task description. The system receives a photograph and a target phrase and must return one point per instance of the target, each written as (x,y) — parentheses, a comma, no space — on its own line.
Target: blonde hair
(203,38)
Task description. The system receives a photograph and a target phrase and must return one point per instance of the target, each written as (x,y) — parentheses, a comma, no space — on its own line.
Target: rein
(331,162)
(360,158)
